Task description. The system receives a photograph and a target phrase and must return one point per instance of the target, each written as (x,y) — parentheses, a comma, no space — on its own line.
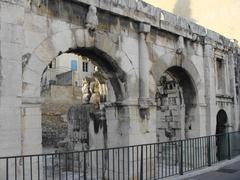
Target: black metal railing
(148,161)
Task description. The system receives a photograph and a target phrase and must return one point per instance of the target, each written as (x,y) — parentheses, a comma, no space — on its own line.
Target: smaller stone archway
(221,136)
(176,104)
(222,120)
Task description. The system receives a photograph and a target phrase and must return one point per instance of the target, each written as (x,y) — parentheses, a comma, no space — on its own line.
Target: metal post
(84,166)
(141,166)
(229,146)
(209,150)
(181,158)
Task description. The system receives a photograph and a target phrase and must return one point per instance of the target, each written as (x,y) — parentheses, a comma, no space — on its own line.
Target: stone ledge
(143,12)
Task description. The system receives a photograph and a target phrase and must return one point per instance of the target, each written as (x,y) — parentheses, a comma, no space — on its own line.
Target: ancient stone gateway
(170,76)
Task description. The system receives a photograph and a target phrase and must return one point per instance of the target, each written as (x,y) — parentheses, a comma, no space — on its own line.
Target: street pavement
(230,172)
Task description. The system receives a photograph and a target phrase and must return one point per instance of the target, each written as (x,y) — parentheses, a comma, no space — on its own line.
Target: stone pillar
(31,128)
(238,74)
(233,93)
(143,66)
(210,89)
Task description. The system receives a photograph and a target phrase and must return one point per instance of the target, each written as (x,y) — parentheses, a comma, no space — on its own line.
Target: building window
(50,65)
(74,65)
(85,66)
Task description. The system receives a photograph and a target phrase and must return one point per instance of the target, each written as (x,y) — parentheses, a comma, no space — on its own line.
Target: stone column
(31,128)
(210,89)
(233,93)
(143,67)
(238,74)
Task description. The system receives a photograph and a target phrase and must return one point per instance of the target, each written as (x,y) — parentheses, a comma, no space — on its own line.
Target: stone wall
(56,101)
(134,44)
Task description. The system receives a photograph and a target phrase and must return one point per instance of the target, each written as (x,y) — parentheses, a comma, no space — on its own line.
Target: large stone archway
(68,41)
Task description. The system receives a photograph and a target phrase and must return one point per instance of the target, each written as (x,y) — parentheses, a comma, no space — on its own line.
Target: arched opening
(176,105)
(87,82)
(222,120)
(221,138)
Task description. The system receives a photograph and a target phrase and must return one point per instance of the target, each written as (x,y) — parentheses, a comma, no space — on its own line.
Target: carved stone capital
(144,28)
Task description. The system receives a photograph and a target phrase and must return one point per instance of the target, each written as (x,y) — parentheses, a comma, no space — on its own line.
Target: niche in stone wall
(220,68)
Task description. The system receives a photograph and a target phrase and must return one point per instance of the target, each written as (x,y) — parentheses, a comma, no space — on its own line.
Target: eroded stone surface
(134,55)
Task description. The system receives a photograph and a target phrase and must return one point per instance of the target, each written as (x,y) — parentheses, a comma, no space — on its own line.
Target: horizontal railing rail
(145,161)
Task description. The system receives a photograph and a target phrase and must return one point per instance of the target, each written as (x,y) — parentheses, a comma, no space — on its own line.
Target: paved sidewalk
(230,172)
(225,170)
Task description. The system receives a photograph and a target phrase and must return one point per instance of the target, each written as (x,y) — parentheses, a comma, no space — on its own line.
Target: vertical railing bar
(141,164)
(150,161)
(205,154)
(199,152)
(6,168)
(15,168)
(31,167)
(188,155)
(45,158)
(137,163)
(194,154)
(38,168)
(128,163)
(169,158)
(118,164)
(158,160)
(185,155)
(154,160)
(108,152)
(196,148)
(113,164)
(172,159)
(146,159)
(209,151)
(123,164)
(215,149)
(23,169)
(91,165)
(53,169)
(133,174)
(59,167)
(79,166)
(103,165)
(163,172)
(66,166)
(97,162)
(194,157)
(181,157)
(84,166)
(205,151)
(73,166)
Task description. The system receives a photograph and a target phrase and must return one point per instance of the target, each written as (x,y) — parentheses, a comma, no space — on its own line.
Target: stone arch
(78,41)
(178,101)
(172,60)
(99,46)
(221,138)
(222,120)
